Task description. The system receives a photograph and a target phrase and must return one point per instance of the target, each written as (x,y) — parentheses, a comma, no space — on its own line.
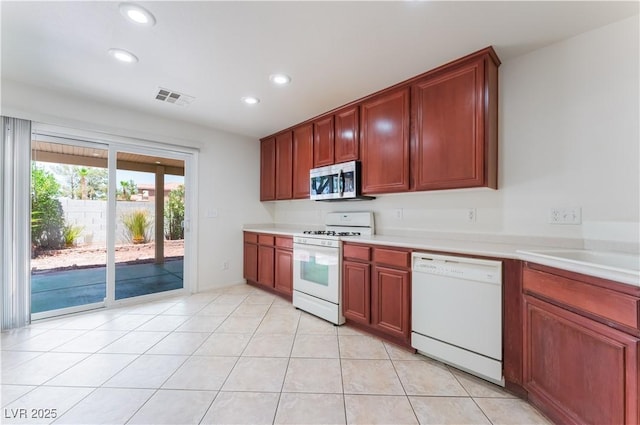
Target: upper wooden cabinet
(284,165)
(346,134)
(302,160)
(336,137)
(323,142)
(384,142)
(438,130)
(276,167)
(268,169)
(454,116)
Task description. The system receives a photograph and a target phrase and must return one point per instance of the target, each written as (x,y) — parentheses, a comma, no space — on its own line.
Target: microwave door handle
(341,183)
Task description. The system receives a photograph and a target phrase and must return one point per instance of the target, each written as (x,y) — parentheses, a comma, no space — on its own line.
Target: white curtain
(15,222)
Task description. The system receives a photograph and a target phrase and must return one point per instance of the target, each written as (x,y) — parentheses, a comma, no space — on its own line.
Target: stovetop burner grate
(330,233)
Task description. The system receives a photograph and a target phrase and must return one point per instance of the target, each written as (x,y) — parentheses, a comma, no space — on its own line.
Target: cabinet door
(284,165)
(302,160)
(323,142)
(268,169)
(251,262)
(266,256)
(284,271)
(346,135)
(577,370)
(390,302)
(449,129)
(384,138)
(356,291)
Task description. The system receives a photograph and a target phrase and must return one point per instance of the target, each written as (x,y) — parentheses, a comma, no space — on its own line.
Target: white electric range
(317,264)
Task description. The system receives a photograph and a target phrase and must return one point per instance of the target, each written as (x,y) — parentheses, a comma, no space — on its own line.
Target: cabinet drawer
(392,257)
(265,239)
(606,303)
(284,242)
(250,237)
(357,252)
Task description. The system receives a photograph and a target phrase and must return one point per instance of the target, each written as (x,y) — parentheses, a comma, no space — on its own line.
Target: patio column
(159,236)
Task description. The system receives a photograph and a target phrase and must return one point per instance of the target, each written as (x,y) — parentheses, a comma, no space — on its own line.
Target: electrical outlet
(397,213)
(565,215)
(471,215)
(212,213)
(225,265)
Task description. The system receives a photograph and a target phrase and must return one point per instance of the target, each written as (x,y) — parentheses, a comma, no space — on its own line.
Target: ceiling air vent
(171,96)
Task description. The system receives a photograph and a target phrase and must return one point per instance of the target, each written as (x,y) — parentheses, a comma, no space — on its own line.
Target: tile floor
(234,355)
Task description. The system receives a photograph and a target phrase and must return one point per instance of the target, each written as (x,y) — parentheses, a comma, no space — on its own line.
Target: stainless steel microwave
(336,182)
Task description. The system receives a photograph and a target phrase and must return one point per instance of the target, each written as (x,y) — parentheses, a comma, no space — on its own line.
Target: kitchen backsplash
(475,214)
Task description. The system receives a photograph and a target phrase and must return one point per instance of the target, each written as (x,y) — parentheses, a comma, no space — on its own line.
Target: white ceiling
(218,52)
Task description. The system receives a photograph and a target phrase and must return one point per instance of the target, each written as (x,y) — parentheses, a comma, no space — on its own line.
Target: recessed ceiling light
(123,55)
(250,100)
(137,14)
(158,162)
(280,79)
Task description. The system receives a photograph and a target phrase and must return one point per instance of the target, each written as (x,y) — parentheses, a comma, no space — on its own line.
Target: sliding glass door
(107,224)
(69,202)
(149,250)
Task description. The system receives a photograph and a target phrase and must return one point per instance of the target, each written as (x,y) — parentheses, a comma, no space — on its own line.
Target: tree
(47,219)
(97,183)
(174,214)
(94,185)
(70,178)
(83,172)
(128,188)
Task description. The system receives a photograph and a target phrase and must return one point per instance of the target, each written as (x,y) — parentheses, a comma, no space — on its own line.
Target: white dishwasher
(456,312)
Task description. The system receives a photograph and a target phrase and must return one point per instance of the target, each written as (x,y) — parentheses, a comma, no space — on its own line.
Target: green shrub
(47,220)
(70,233)
(137,226)
(174,214)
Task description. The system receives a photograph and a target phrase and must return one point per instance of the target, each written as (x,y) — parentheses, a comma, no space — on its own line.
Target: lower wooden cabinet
(356,291)
(251,261)
(391,300)
(283,271)
(268,262)
(266,256)
(376,290)
(578,368)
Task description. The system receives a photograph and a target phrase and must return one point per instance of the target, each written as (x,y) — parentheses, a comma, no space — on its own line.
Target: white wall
(228,172)
(569,137)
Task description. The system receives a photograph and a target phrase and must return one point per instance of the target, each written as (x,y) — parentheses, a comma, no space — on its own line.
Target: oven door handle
(311,247)
(300,251)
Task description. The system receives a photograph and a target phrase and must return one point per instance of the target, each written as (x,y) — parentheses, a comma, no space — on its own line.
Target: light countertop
(619,267)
